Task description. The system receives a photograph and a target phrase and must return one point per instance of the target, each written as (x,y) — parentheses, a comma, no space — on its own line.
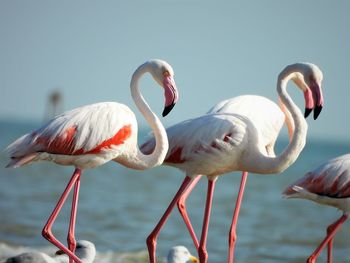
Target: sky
(218,49)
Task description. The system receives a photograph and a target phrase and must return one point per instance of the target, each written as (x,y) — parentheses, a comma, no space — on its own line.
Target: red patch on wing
(175,156)
(333,189)
(345,191)
(119,138)
(64,144)
(316,184)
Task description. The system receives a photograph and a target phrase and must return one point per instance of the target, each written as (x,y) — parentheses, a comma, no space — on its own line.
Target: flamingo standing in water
(92,135)
(329,184)
(237,140)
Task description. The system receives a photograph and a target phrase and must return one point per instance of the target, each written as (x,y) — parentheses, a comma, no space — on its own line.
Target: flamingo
(329,184)
(92,135)
(237,140)
(85,250)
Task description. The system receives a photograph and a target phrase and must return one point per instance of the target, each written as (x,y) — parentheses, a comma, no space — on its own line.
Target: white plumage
(191,143)
(329,184)
(262,112)
(92,135)
(67,137)
(238,134)
(180,254)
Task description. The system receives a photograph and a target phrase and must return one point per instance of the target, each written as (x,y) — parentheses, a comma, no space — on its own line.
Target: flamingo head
(313,94)
(163,74)
(308,78)
(180,254)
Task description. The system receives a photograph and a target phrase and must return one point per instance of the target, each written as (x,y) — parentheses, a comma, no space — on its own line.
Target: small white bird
(85,250)
(180,254)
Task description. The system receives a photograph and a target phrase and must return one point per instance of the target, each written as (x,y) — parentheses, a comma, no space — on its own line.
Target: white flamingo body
(85,137)
(329,184)
(237,135)
(216,143)
(192,142)
(262,112)
(92,135)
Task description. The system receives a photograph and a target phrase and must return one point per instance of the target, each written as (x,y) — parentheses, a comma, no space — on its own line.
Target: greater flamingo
(85,250)
(329,184)
(92,135)
(237,140)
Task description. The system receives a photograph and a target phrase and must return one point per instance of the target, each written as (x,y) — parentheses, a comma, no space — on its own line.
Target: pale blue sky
(218,49)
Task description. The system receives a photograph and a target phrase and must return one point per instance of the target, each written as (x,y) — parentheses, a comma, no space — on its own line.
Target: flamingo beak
(317,111)
(313,100)
(307,112)
(318,98)
(167,109)
(170,94)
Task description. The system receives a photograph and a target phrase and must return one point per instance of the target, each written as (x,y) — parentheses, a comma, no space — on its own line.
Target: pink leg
(71,232)
(181,204)
(47,230)
(152,238)
(202,250)
(331,231)
(233,235)
(330,250)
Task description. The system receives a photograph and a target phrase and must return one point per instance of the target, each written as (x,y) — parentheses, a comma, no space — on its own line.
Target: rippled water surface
(119,207)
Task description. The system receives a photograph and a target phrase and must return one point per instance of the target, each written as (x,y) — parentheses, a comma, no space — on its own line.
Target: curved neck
(288,119)
(141,161)
(290,154)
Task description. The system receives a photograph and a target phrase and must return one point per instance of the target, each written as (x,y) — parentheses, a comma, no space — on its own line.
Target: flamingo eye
(166,73)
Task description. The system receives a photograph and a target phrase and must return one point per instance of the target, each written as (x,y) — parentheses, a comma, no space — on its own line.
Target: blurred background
(56,56)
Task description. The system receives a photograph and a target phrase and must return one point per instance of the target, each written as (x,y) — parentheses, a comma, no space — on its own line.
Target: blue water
(119,207)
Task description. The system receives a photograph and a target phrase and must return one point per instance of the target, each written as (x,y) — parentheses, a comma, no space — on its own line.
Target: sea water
(118,208)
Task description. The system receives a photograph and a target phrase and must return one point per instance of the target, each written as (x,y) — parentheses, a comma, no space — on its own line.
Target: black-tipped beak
(317,111)
(307,112)
(168,109)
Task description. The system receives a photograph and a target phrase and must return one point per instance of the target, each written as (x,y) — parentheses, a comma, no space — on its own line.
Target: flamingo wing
(206,134)
(331,179)
(263,112)
(83,130)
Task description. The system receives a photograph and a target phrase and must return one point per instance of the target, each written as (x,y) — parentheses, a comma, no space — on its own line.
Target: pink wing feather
(331,179)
